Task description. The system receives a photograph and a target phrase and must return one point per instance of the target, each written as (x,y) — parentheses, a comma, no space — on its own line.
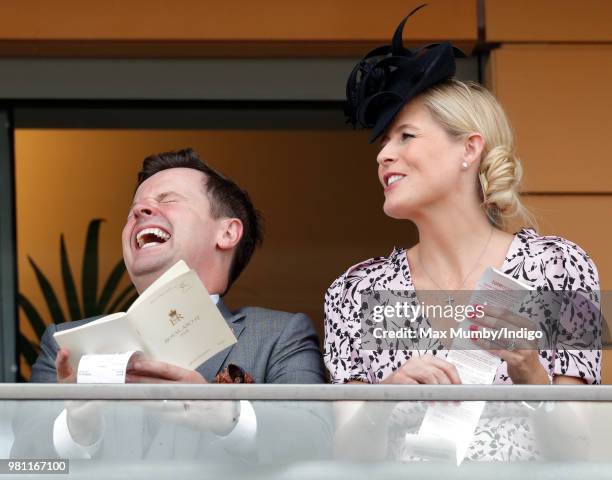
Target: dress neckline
(400,255)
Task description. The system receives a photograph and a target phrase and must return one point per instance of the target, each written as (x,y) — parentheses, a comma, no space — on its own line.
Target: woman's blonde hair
(462,108)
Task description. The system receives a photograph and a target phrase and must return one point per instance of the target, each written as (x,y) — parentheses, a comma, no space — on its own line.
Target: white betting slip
(454,424)
(107,368)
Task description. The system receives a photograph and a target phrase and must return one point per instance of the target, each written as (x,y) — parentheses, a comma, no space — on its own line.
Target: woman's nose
(385,156)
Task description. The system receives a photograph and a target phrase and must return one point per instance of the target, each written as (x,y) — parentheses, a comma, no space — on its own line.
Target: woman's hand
(522,356)
(427,369)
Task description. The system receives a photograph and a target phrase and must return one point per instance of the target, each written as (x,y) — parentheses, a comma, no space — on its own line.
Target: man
(183,209)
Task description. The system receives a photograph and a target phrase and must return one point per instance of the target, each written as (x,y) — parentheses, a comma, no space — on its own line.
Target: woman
(447,162)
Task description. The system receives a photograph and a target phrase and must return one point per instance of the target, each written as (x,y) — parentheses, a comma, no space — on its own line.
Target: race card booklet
(173,321)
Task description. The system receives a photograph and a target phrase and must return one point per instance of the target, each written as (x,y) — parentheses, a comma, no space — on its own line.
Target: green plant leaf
(69,287)
(34,318)
(89,273)
(111,285)
(50,298)
(129,302)
(120,298)
(28,349)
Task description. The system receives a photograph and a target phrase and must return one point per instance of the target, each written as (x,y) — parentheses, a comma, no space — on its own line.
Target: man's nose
(142,209)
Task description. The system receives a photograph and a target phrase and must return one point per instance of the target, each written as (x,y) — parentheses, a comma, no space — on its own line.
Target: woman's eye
(406,136)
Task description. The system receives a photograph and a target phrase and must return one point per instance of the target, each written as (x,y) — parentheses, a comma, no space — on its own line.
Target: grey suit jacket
(274,347)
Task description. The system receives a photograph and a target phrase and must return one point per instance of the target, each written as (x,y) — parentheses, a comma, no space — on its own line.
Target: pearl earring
(464,164)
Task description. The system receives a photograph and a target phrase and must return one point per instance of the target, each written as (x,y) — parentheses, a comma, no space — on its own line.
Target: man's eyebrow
(164,195)
(161,196)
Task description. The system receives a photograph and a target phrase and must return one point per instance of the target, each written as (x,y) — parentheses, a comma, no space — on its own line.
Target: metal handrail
(589,393)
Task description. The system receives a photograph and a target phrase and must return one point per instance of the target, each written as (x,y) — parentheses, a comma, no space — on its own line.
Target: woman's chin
(397,211)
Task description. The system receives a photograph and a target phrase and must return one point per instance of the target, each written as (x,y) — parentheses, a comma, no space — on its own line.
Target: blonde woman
(447,162)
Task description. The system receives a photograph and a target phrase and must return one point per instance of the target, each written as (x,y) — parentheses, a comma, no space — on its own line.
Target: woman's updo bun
(462,108)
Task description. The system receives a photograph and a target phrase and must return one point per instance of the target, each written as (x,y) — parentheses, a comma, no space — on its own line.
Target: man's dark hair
(226,198)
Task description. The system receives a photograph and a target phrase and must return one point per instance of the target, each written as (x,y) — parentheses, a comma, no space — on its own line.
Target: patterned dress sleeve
(342,335)
(578,352)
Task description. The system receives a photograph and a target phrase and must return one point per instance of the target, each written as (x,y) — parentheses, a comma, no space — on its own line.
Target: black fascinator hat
(391,75)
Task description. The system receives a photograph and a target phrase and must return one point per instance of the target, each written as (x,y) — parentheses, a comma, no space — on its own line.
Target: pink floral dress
(542,261)
(505,431)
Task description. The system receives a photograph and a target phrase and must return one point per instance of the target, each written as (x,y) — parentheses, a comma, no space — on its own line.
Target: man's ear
(474,145)
(230,233)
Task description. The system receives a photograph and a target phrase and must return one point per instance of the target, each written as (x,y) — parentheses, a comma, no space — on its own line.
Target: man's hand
(151,371)
(217,416)
(65,372)
(84,418)
(220,417)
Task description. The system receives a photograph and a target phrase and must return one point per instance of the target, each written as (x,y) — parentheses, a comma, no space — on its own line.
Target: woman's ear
(230,233)
(473,147)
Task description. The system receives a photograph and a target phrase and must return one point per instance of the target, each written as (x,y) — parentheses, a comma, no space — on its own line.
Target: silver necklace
(450,299)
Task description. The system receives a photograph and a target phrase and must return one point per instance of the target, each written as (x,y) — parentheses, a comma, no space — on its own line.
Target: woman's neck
(452,243)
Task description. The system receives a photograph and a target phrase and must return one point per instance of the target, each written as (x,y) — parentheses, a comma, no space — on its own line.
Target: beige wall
(212,28)
(548,20)
(558,98)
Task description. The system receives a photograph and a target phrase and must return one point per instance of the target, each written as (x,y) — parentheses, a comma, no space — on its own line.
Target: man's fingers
(85,407)
(158,370)
(133,378)
(62,365)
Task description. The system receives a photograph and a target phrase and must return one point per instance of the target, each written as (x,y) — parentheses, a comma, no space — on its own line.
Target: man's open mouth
(150,237)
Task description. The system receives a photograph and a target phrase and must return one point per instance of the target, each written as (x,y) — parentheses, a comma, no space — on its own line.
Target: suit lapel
(212,366)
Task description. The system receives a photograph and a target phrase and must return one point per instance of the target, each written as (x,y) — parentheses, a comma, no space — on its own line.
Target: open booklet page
(174,320)
(111,334)
(179,323)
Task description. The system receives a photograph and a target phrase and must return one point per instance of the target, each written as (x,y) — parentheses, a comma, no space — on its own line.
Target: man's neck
(143,282)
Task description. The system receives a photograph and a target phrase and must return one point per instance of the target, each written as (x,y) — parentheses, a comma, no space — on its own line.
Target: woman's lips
(394,179)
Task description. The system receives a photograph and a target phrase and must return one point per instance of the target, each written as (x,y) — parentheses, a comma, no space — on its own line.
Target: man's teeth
(158,233)
(394,178)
